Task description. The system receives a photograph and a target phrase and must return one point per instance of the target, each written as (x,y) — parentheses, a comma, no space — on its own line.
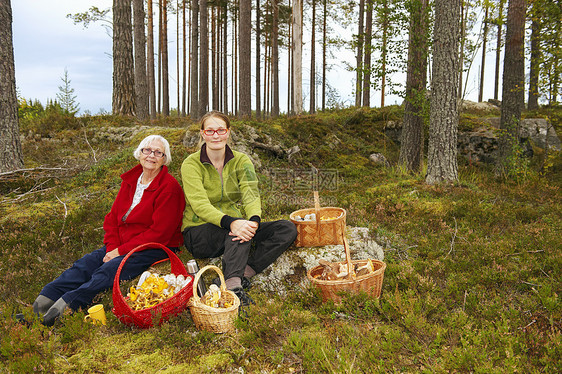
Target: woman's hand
(243,230)
(111,255)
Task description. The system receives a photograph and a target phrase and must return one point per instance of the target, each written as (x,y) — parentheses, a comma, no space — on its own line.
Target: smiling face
(150,162)
(215,132)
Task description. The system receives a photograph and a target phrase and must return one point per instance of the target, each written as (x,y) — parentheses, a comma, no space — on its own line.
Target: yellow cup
(96,314)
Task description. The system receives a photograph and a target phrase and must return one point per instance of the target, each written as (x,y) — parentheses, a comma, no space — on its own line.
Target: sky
(46,43)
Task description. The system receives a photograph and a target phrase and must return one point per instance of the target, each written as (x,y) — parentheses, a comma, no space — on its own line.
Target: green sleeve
(195,194)
(249,190)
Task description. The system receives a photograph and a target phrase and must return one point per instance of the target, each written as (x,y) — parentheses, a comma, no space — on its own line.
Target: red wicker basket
(159,313)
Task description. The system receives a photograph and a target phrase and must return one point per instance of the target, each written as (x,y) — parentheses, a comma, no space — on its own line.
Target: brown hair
(212,114)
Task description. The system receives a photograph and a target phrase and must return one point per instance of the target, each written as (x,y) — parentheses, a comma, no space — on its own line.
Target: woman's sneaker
(245,299)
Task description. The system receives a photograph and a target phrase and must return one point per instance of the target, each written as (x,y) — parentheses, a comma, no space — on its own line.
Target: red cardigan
(156,218)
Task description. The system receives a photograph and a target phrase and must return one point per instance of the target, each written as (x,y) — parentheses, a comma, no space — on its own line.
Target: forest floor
(472,283)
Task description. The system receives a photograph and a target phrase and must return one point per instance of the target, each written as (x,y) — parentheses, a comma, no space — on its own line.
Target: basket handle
(317,213)
(195,296)
(350,267)
(177,266)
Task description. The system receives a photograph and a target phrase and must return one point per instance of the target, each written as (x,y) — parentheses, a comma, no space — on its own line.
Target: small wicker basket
(318,233)
(213,319)
(332,289)
(145,318)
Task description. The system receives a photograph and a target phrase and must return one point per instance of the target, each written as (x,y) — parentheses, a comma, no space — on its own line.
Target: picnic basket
(213,319)
(161,312)
(332,289)
(319,232)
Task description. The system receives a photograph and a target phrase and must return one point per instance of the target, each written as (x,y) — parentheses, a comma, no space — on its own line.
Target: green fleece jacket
(212,199)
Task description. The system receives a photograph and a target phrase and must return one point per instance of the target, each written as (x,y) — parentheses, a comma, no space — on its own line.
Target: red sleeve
(166,219)
(110,223)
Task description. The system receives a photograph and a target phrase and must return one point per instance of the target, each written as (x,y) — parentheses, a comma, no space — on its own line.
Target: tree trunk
(513,83)
(297,55)
(464,17)
(359,56)
(483,64)
(444,117)
(225,59)
(184,65)
(313,60)
(267,76)
(150,62)
(204,62)
(290,69)
(324,47)
(123,65)
(10,145)
(258,61)
(194,73)
(275,60)
(498,50)
(533,101)
(159,103)
(165,71)
(411,147)
(178,80)
(245,52)
(141,80)
(368,49)
(384,41)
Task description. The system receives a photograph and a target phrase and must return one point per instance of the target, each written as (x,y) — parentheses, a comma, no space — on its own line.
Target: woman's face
(150,161)
(210,133)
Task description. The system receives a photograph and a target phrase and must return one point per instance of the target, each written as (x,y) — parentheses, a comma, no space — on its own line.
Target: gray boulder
(379,159)
(289,271)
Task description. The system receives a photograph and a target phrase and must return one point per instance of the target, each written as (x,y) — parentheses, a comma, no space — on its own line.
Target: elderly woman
(148,208)
(217,181)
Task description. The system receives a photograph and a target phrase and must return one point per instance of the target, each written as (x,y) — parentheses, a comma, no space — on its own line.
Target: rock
(481,107)
(541,133)
(379,159)
(393,130)
(481,144)
(289,270)
(495,102)
(292,151)
(191,138)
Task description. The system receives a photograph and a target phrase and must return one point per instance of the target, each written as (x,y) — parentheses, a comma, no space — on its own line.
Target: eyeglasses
(220,131)
(148,151)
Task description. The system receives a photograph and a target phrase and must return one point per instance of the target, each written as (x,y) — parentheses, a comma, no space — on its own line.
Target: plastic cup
(96,314)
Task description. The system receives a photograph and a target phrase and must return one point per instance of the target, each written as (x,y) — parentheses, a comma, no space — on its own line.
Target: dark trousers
(269,242)
(89,275)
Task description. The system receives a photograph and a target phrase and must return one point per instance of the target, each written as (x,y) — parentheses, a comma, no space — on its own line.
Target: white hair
(148,140)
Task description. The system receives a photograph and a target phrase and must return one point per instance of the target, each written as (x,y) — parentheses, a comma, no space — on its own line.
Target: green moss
(471,283)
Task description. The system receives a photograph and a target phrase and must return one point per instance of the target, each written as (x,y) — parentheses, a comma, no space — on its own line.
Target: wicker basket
(213,319)
(332,289)
(161,312)
(318,233)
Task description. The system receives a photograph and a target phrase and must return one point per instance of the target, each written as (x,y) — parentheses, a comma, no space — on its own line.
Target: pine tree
(66,96)
(10,145)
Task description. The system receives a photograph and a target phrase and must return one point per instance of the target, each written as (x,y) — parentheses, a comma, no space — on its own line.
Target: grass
(472,281)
